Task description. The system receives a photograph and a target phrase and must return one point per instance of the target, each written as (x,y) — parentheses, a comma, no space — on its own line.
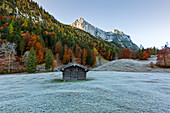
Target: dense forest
(38,28)
(25,25)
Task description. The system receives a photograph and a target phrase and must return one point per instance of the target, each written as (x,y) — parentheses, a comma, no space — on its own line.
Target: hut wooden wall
(74,73)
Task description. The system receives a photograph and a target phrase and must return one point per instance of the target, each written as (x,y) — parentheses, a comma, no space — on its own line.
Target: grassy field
(104,91)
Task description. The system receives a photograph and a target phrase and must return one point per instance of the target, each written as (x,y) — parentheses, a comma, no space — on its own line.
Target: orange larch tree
(39,52)
(145,55)
(126,53)
(79,51)
(65,57)
(70,54)
(163,57)
(84,56)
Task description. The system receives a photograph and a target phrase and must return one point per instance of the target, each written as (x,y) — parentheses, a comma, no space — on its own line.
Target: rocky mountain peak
(115,36)
(81,19)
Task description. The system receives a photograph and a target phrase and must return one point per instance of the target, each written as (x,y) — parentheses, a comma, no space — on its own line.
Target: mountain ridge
(27,21)
(114,36)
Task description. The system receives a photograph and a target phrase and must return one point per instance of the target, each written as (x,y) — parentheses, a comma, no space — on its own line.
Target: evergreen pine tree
(62,53)
(22,46)
(89,58)
(31,61)
(42,41)
(49,59)
(140,54)
(5,32)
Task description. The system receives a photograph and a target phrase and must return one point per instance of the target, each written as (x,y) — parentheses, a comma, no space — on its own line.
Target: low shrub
(152,64)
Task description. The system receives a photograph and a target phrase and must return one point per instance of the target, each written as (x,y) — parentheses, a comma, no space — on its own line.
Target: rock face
(114,36)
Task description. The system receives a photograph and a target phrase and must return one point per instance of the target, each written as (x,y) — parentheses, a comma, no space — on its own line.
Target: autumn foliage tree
(65,57)
(145,55)
(70,55)
(28,25)
(126,53)
(78,53)
(54,64)
(148,51)
(163,57)
(84,57)
(39,52)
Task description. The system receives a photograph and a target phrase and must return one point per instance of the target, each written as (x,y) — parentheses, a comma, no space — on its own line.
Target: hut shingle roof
(73,64)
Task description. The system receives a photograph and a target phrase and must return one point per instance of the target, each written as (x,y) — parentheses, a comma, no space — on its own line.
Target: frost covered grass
(130,65)
(104,91)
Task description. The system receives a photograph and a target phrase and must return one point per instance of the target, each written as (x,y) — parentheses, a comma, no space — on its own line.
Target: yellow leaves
(25,23)
(52,27)
(3,6)
(54,64)
(95,51)
(34,38)
(1,28)
(8,8)
(22,34)
(64,34)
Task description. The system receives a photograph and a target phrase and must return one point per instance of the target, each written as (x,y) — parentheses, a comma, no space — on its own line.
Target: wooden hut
(74,71)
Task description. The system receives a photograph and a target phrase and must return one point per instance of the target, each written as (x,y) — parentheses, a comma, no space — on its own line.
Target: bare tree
(8,50)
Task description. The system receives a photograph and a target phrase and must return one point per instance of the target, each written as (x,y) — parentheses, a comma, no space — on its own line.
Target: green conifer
(22,46)
(42,41)
(31,61)
(140,54)
(49,59)
(89,58)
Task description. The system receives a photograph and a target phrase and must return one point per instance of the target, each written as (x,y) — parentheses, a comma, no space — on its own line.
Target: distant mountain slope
(114,36)
(26,20)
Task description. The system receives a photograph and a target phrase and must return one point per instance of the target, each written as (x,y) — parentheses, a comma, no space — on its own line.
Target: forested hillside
(27,24)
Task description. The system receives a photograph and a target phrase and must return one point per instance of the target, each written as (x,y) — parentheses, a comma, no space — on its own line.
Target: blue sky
(146,21)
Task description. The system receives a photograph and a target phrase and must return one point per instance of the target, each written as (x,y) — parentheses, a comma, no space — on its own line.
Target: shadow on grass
(62,81)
